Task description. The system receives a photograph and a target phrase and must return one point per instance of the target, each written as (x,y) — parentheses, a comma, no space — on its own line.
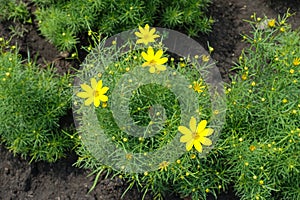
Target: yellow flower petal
(87,88)
(205,141)
(189,145)
(158,54)
(198,146)
(138,34)
(152,69)
(146,29)
(186,138)
(145,64)
(104,90)
(201,126)
(193,124)
(184,130)
(96,102)
(207,132)
(150,52)
(162,61)
(141,29)
(89,101)
(83,94)
(94,83)
(161,67)
(103,98)
(145,56)
(139,41)
(98,86)
(152,31)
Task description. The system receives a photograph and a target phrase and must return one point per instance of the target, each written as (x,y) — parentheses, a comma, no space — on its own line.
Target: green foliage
(258,151)
(32,102)
(263,130)
(62,21)
(190,173)
(13,10)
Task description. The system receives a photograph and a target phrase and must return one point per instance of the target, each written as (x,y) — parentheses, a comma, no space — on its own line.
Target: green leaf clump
(62,22)
(263,129)
(14,10)
(32,102)
(258,151)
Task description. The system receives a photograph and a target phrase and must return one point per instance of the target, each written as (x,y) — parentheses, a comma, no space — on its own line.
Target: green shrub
(263,129)
(13,10)
(32,102)
(180,89)
(63,21)
(258,150)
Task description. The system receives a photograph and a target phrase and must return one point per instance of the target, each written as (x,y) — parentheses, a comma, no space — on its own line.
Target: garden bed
(60,180)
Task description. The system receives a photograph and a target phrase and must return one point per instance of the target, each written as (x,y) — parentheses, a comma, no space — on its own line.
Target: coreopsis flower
(196,135)
(163,166)
(94,94)
(198,87)
(271,23)
(296,61)
(154,60)
(146,35)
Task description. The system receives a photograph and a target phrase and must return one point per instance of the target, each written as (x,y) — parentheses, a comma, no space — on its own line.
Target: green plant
(14,10)
(258,150)
(166,96)
(263,130)
(32,102)
(63,21)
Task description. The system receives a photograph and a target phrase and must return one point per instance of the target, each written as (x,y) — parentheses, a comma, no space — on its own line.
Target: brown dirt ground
(60,181)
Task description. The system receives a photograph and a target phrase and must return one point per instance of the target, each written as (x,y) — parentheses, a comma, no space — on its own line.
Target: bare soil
(60,180)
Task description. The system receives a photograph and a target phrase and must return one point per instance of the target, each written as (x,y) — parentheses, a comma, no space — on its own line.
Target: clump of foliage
(263,119)
(258,150)
(14,10)
(173,84)
(32,101)
(61,22)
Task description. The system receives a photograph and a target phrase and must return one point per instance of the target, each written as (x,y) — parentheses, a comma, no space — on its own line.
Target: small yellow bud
(271,23)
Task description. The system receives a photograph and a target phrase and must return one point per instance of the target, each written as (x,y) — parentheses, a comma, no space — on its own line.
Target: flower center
(152,62)
(196,136)
(96,93)
(146,36)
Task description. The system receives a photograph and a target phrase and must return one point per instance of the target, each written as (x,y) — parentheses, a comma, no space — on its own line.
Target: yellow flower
(154,61)
(252,147)
(205,58)
(244,77)
(95,94)
(261,182)
(182,64)
(163,165)
(198,87)
(284,101)
(271,23)
(146,35)
(196,135)
(296,61)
